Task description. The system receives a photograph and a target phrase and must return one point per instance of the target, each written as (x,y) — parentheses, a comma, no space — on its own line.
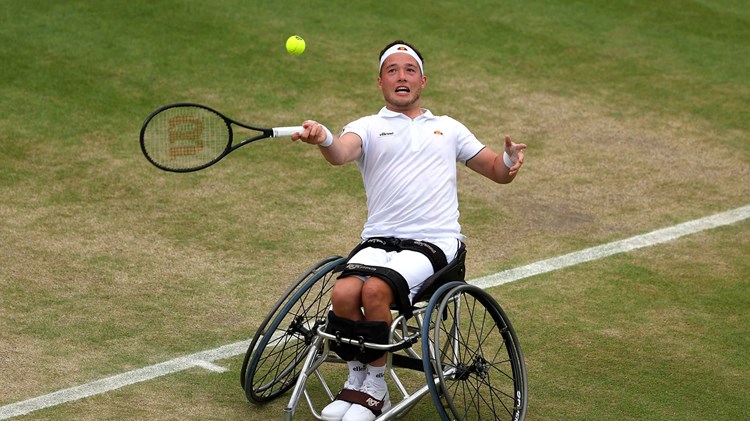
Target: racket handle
(287,131)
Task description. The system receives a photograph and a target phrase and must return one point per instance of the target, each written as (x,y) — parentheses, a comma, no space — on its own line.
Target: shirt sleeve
(360,128)
(467,145)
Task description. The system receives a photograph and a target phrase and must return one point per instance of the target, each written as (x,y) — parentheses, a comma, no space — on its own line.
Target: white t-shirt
(409,171)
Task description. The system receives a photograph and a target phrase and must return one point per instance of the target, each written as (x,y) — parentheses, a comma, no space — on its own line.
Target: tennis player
(407,157)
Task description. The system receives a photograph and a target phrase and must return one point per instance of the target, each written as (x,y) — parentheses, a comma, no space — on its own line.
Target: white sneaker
(358,412)
(335,410)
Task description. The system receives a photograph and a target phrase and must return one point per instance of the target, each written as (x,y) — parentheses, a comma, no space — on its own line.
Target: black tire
(476,370)
(273,359)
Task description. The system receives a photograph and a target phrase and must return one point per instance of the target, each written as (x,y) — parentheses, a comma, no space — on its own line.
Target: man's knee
(346,294)
(383,287)
(376,293)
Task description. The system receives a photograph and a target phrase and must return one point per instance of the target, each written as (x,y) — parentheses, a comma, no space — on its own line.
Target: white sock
(357,373)
(376,375)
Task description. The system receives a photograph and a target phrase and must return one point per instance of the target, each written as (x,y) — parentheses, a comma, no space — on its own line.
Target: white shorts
(415,267)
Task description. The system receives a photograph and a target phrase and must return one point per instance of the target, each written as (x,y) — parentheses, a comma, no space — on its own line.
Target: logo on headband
(400,48)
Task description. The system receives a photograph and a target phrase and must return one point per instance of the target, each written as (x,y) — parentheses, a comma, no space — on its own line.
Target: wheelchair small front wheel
(476,369)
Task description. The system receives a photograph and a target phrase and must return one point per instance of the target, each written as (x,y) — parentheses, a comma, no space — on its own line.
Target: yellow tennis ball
(295,45)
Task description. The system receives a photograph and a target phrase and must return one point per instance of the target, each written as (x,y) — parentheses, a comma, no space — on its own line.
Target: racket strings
(186,137)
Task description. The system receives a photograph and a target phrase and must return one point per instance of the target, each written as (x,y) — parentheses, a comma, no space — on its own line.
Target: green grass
(635,117)
(655,334)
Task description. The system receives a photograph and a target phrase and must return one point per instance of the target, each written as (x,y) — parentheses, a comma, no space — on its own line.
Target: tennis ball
(295,45)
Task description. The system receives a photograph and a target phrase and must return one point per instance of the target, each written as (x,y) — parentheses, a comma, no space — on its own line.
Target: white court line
(645,240)
(204,359)
(210,366)
(98,387)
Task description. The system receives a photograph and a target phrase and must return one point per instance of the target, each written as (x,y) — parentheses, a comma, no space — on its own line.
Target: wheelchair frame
(291,345)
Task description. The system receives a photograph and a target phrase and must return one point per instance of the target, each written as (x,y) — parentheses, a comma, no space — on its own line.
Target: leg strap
(361,398)
(342,328)
(376,332)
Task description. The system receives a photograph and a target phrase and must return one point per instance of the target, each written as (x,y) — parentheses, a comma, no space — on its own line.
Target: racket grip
(287,131)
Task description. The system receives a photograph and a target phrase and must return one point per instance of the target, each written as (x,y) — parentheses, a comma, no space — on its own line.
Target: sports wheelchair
(457,335)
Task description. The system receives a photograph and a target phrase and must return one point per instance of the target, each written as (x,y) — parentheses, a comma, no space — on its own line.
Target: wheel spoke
(276,362)
(478,360)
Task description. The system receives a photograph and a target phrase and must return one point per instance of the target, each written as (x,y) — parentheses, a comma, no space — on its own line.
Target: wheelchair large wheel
(476,370)
(273,359)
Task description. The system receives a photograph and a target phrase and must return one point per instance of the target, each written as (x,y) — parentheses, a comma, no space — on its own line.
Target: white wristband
(329,138)
(506,160)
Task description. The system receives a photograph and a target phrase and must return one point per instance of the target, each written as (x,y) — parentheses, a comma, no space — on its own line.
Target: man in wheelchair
(407,157)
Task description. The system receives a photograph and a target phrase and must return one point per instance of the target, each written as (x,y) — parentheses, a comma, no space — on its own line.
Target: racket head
(185,137)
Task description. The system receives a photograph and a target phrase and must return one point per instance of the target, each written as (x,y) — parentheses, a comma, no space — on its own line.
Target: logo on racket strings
(185,136)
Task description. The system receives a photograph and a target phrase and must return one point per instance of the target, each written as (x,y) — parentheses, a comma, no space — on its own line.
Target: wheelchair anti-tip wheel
(273,359)
(477,370)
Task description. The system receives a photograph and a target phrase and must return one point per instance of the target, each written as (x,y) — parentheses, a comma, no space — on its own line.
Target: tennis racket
(188,137)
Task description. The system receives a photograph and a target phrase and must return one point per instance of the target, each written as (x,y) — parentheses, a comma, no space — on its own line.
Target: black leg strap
(342,328)
(376,332)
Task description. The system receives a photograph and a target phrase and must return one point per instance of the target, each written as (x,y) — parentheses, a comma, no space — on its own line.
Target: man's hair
(398,41)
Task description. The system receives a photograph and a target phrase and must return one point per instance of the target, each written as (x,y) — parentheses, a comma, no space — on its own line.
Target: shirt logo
(438,132)
(385,134)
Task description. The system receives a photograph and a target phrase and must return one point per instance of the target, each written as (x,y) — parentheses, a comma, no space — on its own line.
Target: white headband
(401,48)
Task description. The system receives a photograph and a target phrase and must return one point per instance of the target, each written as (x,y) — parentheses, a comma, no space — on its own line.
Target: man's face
(401,82)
